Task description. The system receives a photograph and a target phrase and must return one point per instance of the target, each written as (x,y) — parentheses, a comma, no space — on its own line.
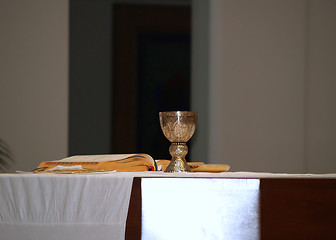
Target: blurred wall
(34,79)
(200,79)
(320,87)
(271,71)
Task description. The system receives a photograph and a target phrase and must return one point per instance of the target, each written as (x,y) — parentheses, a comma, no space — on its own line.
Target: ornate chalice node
(178,127)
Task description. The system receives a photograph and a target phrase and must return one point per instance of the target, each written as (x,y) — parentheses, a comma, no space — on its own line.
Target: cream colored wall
(34,79)
(271,85)
(321,87)
(200,75)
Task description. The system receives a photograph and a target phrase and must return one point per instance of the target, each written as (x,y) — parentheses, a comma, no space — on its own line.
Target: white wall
(271,85)
(321,87)
(34,79)
(200,76)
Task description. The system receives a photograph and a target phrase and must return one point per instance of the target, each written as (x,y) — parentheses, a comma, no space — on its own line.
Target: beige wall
(200,76)
(321,87)
(271,85)
(34,79)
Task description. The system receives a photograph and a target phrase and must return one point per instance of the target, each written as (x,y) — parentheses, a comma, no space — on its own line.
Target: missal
(96,163)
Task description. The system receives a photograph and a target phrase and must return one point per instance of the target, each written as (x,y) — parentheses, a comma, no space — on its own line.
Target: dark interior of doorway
(127,63)
(151,74)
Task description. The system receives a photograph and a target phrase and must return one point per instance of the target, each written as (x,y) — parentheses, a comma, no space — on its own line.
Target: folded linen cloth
(62,206)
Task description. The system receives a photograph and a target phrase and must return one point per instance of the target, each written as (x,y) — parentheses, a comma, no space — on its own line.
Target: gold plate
(213,168)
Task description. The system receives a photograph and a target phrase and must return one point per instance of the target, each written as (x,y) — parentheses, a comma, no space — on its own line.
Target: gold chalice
(178,127)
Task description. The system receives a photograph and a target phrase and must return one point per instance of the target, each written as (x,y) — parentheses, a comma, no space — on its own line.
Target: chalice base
(178,165)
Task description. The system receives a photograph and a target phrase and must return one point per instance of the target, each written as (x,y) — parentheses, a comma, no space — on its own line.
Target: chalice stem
(178,163)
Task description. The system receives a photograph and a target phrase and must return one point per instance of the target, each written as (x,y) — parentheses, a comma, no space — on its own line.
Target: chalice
(178,127)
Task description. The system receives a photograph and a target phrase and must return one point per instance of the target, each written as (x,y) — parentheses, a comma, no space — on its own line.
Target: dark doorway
(151,65)
(90,77)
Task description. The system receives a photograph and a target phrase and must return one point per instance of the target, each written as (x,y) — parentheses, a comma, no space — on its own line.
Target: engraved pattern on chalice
(178,127)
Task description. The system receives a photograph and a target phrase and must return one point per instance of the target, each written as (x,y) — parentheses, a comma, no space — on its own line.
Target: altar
(157,205)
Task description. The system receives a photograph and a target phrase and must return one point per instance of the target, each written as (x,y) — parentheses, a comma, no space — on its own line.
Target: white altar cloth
(81,206)
(60,206)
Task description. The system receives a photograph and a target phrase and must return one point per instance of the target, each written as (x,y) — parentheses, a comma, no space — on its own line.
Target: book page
(103,158)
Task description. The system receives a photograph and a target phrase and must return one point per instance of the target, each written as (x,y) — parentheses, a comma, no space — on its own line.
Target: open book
(95,163)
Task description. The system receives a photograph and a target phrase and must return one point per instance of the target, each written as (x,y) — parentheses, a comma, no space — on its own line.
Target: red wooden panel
(298,209)
(133,223)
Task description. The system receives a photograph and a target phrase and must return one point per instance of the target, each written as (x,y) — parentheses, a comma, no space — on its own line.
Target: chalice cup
(178,127)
